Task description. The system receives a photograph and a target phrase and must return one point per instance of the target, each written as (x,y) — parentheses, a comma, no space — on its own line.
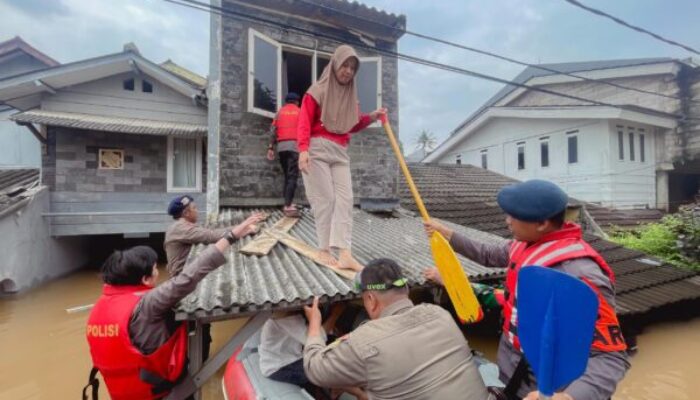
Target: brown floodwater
(44,355)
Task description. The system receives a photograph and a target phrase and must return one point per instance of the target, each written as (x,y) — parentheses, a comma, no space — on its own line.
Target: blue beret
(532,201)
(178,205)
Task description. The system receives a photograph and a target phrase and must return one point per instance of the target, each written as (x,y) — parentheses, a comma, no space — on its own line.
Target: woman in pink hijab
(330,113)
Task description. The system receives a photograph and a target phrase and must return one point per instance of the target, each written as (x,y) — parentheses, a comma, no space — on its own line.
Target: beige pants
(329,190)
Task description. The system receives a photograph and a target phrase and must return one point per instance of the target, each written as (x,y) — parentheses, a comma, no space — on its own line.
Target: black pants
(290,167)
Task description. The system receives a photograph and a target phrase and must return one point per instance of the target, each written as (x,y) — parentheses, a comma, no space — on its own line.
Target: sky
(534,31)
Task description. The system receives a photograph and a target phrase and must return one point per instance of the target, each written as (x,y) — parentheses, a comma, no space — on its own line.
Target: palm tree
(426,141)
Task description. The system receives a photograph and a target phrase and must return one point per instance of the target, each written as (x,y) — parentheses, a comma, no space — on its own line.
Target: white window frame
(314,67)
(517,156)
(482,154)
(376,123)
(549,153)
(198,167)
(252,34)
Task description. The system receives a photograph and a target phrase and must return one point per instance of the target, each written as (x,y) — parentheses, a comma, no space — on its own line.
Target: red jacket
(310,125)
(553,249)
(127,372)
(286,121)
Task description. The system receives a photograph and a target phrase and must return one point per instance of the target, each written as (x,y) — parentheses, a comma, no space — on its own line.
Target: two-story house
(643,154)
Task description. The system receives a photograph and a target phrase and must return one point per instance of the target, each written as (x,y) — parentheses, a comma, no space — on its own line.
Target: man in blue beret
(535,214)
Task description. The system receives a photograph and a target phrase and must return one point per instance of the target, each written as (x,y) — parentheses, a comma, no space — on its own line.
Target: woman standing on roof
(330,113)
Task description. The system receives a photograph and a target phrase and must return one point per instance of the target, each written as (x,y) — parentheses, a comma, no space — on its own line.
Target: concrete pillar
(214,111)
(662,190)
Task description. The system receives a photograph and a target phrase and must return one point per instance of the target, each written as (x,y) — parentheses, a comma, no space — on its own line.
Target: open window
(184,164)
(264,74)
(369,83)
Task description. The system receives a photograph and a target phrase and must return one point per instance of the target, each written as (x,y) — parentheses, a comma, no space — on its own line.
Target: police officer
(284,135)
(535,215)
(404,352)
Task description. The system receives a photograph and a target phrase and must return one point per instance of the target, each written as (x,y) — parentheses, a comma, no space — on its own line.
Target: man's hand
(433,226)
(313,315)
(374,115)
(433,275)
(304,162)
(557,396)
(270,154)
(248,226)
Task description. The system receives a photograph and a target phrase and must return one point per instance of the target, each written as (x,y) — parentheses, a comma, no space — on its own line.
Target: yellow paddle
(456,282)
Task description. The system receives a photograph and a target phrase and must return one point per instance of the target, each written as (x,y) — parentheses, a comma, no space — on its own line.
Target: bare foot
(347,261)
(325,257)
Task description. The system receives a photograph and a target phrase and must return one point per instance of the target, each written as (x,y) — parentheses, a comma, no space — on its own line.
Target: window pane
(321,65)
(484,161)
(265,75)
(184,163)
(573,149)
(146,87)
(620,145)
(641,148)
(296,73)
(544,154)
(128,85)
(521,157)
(366,82)
(631,135)
(459,159)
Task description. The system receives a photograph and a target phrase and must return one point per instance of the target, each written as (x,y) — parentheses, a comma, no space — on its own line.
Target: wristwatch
(230,237)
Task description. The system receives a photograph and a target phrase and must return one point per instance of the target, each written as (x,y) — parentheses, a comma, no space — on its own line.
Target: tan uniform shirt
(179,239)
(410,352)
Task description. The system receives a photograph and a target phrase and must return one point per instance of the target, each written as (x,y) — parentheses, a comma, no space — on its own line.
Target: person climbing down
(330,113)
(284,137)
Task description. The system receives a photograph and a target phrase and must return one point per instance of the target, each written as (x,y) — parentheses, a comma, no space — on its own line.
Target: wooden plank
(262,244)
(309,251)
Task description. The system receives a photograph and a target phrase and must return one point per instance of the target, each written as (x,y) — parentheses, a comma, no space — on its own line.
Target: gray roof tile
(284,279)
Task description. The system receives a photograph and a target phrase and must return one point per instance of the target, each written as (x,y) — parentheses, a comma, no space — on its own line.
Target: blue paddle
(556,320)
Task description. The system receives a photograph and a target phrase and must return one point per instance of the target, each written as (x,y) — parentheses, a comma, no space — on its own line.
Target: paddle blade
(556,321)
(456,283)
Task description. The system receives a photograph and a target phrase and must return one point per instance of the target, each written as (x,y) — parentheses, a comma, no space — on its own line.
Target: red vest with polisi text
(553,249)
(286,122)
(124,368)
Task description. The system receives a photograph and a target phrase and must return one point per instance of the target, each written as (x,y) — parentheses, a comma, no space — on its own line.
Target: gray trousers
(329,191)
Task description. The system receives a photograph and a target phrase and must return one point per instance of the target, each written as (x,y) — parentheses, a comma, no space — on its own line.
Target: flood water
(44,355)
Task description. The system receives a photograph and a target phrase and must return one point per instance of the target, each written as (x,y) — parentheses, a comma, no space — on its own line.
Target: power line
(497,56)
(225,12)
(633,27)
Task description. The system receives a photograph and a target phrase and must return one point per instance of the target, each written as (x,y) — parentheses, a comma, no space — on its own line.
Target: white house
(622,157)
(17,149)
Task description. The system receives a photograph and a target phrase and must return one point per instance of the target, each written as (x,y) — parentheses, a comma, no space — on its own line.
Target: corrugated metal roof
(283,278)
(111,124)
(466,195)
(15,185)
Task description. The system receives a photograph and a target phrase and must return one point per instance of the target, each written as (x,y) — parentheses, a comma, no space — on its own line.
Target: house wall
(30,254)
(246,177)
(107,97)
(584,180)
(18,147)
(83,193)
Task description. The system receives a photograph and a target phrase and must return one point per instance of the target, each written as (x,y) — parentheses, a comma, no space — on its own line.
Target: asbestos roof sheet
(466,195)
(286,279)
(16,185)
(110,124)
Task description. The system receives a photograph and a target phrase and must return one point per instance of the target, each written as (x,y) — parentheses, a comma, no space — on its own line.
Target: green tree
(426,141)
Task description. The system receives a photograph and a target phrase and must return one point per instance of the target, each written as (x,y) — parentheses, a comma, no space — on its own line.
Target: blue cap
(291,96)
(532,201)
(178,205)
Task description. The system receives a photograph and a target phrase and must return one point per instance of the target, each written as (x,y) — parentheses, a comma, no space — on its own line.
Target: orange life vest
(285,122)
(128,373)
(553,249)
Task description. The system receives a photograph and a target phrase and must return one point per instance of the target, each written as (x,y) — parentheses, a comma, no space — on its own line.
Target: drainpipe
(214,113)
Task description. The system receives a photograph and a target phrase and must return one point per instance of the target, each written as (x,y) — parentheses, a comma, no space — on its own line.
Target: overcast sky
(534,31)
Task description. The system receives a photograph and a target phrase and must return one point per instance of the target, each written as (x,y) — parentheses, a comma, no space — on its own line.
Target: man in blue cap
(185,233)
(284,135)
(536,217)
